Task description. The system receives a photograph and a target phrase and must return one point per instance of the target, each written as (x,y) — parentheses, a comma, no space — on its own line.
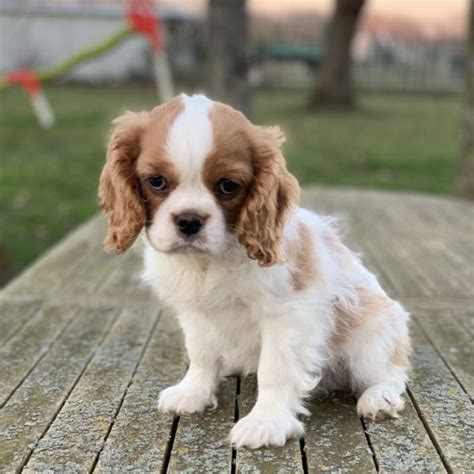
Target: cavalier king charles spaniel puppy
(258,284)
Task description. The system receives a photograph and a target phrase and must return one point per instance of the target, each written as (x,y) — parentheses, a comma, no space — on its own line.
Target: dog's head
(197,175)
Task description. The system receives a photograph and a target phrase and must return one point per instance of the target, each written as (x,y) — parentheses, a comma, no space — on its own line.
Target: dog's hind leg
(376,350)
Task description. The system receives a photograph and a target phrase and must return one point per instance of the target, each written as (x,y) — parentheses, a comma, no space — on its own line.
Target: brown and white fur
(259,285)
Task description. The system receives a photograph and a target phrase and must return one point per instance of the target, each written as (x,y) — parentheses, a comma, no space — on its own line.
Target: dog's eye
(157,183)
(227,187)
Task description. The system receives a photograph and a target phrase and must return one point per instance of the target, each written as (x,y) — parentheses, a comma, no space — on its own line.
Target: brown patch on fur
(153,142)
(301,259)
(260,213)
(152,160)
(152,200)
(337,247)
(402,351)
(120,190)
(231,158)
(370,309)
(273,195)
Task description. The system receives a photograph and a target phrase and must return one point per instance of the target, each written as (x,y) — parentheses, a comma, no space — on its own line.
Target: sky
(441,12)
(431,10)
(446,16)
(416,9)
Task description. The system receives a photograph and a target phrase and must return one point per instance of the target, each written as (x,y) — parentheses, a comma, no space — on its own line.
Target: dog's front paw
(378,401)
(254,431)
(184,398)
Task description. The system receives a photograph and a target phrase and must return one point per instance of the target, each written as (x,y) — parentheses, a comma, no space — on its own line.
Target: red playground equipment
(141,19)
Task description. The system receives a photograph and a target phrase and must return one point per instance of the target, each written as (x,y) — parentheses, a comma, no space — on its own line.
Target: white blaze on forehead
(190,137)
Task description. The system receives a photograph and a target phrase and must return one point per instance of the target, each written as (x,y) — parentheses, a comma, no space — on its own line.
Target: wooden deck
(85,352)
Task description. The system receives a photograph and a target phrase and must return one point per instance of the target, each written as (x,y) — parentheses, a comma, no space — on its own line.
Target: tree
(334,82)
(228,63)
(466,172)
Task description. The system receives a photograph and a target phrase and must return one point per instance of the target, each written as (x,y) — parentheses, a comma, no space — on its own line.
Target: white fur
(190,138)
(238,317)
(188,144)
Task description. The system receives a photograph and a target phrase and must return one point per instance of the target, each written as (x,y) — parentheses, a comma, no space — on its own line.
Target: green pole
(53,72)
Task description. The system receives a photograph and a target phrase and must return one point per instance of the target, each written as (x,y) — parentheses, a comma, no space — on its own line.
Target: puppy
(258,284)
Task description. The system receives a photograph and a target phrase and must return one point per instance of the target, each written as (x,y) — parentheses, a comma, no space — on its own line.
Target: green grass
(389,142)
(48,179)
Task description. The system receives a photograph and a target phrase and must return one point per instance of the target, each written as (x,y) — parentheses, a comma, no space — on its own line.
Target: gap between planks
(442,357)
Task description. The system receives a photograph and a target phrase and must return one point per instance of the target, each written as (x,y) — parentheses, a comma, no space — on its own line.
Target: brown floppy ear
(273,195)
(119,187)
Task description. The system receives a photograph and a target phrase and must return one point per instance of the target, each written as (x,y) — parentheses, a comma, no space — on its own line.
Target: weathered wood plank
(364,232)
(29,345)
(92,271)
(125,279)
(452,342)
(55,269)
(454,304)
(424,257)
(77,434)
(421,247)
(445,215)
(139,437)
(202,440)
(34,405)
(403,444)
(461,309)
(430,257)
(393,257)
(444,405)
(465,316)
(13,314)
(433,251)
(286,459)
(334,438)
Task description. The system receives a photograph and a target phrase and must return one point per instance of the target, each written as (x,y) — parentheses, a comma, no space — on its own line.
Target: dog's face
(197,175)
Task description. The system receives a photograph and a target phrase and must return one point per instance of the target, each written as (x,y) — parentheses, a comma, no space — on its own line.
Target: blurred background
(373,94)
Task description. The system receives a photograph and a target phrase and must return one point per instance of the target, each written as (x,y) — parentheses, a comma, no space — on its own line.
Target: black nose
(188,223)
